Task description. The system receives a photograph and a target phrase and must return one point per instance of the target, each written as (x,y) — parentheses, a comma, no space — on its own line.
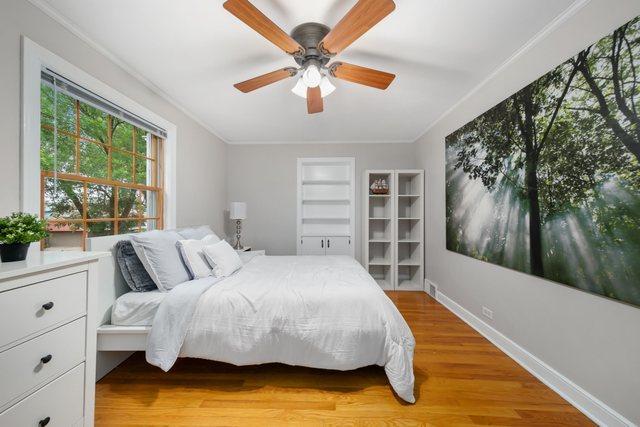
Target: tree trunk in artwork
(535,222)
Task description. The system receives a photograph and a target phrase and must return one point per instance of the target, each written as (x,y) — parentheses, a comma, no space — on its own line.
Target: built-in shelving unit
(393,252)
(326,208)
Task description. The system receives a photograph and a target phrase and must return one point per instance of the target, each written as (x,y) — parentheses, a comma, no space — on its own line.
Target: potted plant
(17,231)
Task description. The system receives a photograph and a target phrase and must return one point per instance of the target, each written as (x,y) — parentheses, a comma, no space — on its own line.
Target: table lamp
(238,211)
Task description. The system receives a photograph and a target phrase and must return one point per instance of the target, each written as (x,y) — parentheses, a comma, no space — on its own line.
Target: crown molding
(47,9)
(575,7)
(401,141)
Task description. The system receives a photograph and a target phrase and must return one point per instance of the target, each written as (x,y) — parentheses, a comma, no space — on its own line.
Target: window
(101,169)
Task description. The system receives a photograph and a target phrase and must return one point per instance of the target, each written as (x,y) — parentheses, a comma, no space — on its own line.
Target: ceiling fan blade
(250,15)
(314,100)
(361,75)
(360,19)
(265,79)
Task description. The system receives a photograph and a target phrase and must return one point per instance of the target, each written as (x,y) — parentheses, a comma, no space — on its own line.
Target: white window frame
(34,58)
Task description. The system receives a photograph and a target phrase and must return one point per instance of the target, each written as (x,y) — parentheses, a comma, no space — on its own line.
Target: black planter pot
(13,251)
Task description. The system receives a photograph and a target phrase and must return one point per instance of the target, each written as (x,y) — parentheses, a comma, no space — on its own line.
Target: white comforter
(320,312)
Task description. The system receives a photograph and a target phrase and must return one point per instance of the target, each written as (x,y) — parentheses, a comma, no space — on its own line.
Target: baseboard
(589,405)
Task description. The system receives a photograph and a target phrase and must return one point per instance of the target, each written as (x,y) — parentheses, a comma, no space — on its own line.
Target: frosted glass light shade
(238,210)
(312,76)
(326,88)
(300,89)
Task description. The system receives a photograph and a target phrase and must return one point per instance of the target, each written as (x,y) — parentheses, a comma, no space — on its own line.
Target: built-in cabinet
(325,245)
(326,206)
(393,247)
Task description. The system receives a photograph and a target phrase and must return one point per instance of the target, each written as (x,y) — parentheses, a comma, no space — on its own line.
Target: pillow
(160,256)
(197,233)
(223,258)
(132,269)
(194,259)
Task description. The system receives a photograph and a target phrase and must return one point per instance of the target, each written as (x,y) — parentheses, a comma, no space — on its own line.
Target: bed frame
(114,343)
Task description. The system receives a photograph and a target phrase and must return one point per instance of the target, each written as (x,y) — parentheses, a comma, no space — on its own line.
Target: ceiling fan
(312,45)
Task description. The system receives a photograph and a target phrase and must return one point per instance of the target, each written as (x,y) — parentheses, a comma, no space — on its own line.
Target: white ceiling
(194,51)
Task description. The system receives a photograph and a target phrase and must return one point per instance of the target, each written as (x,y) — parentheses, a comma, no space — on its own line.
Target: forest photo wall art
(548,181)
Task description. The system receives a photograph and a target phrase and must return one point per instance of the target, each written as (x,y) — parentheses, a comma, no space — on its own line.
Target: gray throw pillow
(132,269)
(160,256)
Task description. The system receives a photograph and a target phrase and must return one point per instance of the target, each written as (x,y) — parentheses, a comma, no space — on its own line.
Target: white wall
(201,157)
(593,341)
(265,177)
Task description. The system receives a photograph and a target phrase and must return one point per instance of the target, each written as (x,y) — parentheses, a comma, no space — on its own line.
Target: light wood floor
(461,379)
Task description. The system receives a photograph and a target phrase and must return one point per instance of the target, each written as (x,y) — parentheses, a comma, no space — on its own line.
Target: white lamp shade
(238,210)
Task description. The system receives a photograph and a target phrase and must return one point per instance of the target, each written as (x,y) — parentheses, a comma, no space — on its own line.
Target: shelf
(409,263)
(409,241)
(379,262)
(379,241)
(325,235)
(326,182)
(409,219)
(326,201)
(380,219)
(325,218)
(408,195)
(379,195)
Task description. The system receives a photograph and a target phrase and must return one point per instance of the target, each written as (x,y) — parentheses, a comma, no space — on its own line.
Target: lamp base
(238,246)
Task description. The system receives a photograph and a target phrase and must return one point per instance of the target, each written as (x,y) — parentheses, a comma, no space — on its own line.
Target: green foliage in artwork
(559,167)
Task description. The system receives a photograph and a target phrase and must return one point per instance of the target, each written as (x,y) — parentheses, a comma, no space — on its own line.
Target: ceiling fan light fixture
(300,89)
(326,87)
(312,76)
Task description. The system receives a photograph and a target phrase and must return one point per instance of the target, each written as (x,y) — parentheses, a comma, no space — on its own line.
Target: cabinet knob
(322,243)
(43,422)
(46,359)
(48,306)
(328,243)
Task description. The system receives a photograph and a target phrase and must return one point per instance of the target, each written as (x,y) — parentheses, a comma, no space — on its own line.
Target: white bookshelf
(326,208)
(393,246)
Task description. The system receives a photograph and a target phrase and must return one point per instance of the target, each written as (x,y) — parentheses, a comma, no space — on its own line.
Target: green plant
(20,227)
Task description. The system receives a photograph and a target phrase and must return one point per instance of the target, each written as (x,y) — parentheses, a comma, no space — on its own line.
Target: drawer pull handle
(43,422)
(48,306)
(46,359)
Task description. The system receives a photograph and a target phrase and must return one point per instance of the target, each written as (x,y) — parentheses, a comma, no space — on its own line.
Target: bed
(316,311)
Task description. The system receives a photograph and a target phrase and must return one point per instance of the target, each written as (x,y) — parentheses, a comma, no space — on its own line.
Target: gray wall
(265,177)
(201,157)
(593,341)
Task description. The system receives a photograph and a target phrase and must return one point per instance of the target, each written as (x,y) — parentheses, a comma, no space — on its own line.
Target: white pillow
(193,257)
(223,258)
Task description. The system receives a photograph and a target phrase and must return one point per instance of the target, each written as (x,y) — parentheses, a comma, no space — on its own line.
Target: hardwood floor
(461,379)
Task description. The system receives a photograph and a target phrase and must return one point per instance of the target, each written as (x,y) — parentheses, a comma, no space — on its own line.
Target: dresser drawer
(39,360)
(60,401)
(36,307)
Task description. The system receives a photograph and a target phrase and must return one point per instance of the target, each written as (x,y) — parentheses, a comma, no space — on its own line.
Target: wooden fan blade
(360,19)
(314,100)
(361,75)
(250,15)
(265,79)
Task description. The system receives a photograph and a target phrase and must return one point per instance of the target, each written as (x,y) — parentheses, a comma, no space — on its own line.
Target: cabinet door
(338,245)
(312,245)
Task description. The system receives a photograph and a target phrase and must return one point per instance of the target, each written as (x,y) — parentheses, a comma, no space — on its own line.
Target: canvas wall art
(547,182)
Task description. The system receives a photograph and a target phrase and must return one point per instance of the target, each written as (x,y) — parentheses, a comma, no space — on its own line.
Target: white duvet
(321,312)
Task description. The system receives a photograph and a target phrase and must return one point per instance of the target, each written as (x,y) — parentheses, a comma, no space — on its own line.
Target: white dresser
(48,339)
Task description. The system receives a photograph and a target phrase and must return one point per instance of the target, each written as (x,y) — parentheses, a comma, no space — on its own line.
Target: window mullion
(133,157)
(77,136)
(109,146)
